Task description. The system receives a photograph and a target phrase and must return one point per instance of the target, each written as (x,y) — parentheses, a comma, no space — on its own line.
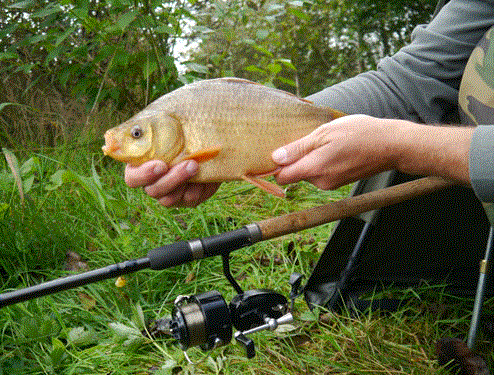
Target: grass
(75,200)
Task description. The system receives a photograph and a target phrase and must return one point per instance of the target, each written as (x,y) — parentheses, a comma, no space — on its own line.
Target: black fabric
(437,238)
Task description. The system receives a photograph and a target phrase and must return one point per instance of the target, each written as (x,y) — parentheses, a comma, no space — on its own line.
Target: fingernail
(159,169)
(192,167)
(279,155)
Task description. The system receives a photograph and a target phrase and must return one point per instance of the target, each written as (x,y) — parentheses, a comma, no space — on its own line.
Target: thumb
(292,152)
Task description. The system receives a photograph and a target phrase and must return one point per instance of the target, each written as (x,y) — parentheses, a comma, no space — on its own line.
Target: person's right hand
(170,186)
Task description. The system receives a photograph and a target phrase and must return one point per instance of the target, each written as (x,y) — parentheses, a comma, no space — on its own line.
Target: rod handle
(309,218)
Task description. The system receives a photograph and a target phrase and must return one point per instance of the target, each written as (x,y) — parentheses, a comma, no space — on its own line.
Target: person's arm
(355,147)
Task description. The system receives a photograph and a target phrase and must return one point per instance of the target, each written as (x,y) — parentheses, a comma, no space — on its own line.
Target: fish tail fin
(269,187)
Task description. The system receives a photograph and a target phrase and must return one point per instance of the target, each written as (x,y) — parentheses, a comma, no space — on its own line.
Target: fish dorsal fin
(239,80)
(335,113)
(269,187)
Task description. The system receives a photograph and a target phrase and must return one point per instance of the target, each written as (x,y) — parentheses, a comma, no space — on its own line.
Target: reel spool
(201,320)
(206,320)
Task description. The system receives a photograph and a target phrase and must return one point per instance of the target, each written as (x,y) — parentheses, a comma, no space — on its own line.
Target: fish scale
(229,125)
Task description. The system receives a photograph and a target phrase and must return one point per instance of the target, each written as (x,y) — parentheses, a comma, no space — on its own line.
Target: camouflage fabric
(476,89)
(475,97)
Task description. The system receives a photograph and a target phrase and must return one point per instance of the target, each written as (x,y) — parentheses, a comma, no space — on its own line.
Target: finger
(147,173)
(173,198)
(294,151)
(175,177)
(193,195)
(309,166)
(189,195)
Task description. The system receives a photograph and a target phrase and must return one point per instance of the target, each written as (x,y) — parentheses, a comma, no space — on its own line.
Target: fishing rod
(205,320)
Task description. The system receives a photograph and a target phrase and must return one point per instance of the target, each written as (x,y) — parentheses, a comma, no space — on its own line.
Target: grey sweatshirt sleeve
(421,81)
(481,163)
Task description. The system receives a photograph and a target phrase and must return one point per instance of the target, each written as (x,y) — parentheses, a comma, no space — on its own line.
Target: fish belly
(244,153)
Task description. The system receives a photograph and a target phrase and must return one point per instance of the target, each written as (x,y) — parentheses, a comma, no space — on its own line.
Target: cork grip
(309,218)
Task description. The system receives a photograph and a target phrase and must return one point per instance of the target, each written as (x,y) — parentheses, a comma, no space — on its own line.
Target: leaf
(274,68)
(80,337)
(28,183)
(127,335)
(8,55)
(149,68)
(263,50)
(262,33)
(124,331)
(286,81)
(54,53)
(47,11)
(3,105)
(287,63)
(63,36)
(165,29)
(120,282)
(28,166)
(309,315)
(196,67)
(58,353)
(138,317)
(4,207)
(123,21)
(299,14)
(22,4)
(253,68)
(87,301)
(74,262)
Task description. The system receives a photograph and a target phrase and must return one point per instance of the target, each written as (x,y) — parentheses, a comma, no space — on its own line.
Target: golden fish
(230,126)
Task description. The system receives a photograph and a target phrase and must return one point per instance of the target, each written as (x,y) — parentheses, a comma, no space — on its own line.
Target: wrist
(432,150)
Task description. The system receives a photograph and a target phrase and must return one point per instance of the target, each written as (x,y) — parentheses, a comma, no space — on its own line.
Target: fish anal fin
(269,187)
(269,173)
(203,155)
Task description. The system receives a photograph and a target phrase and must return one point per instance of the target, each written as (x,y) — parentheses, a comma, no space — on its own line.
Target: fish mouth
(110,145)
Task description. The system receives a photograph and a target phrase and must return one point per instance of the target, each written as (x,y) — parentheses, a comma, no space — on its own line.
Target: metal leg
(478,301)
(340,285)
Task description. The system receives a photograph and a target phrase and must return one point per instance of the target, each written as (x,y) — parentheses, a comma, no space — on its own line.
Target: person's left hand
(339,152)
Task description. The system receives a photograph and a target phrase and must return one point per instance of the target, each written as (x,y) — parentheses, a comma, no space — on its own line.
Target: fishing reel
(207,321)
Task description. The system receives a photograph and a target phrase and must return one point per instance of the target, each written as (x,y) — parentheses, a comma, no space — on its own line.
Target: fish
(230,126)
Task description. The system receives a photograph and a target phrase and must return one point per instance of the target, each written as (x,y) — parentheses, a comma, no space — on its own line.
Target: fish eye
(136,132)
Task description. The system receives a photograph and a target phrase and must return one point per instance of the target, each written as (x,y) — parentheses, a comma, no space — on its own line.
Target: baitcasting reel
(205,320)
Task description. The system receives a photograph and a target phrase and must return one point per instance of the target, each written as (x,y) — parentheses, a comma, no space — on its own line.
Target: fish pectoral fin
(203,155)
(269,187)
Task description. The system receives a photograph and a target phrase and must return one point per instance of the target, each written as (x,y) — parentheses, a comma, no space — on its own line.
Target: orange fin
(269,187)
(269,173)
(335,113)
(203,155)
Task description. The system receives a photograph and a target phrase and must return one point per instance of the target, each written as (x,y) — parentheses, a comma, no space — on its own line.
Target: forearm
(432,150)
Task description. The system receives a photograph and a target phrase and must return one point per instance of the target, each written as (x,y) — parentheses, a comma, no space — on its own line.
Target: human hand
(337,153)
(170,186)
(354,147)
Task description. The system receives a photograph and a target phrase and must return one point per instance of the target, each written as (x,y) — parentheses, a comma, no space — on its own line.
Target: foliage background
(64,62)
